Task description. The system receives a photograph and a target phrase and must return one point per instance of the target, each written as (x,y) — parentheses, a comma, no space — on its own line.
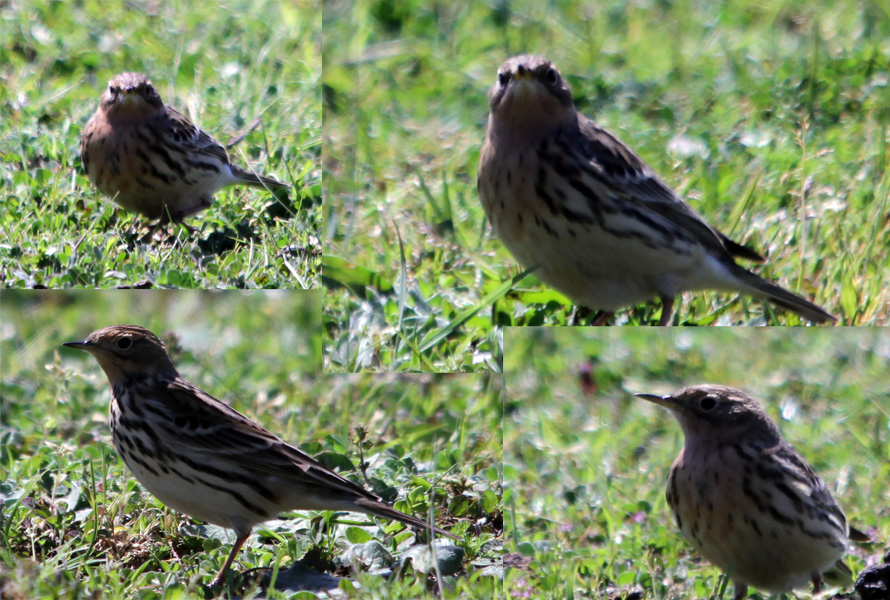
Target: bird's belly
(602,270)
(151,182)
(726,526)
(200,493)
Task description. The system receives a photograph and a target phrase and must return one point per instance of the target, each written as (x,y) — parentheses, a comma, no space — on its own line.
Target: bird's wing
(184,133)
(220,432)
(611,163)
(803,480)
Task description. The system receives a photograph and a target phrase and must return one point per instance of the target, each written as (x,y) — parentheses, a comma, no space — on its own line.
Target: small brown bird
(150,159)
(202,458)
(571,200)
(746,500)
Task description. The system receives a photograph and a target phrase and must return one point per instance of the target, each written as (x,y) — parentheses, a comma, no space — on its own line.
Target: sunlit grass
(74,521)
(784,106)
(248,69)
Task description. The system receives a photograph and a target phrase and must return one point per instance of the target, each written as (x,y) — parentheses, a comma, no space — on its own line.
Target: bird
(199,456)
(573,202)
(150,159)
(746,500)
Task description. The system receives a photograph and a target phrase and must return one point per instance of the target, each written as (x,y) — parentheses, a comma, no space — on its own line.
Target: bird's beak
(84,345)
(130,98)
(522,74)
(524,84)
(665,401)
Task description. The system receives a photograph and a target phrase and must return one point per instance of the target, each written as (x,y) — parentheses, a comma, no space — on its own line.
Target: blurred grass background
(770,119)
(585,463)
(225,66)
(74,522)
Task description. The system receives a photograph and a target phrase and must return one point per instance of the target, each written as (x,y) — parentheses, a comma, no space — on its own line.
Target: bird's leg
(667,308)
(159,224)
(205,201)
(238,543)
(603,318)
(817,583)
(741,591)
(152,229)
(192,230)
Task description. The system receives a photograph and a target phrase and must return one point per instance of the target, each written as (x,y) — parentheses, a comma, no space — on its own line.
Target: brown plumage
(150,159)
(201,457)
(746,500)
(571,200)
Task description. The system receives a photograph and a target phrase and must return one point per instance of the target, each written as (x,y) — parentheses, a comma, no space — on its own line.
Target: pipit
(746,500)
(571,200)
(150,159)
(202,458)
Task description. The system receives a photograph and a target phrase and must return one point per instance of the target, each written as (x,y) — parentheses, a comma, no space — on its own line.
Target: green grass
(75,523)
(584,471)
(224,66)
(783,104)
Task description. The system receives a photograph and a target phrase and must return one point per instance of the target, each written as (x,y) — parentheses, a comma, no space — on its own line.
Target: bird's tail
(380,509)
(248,178)
(838,574)
(781,297)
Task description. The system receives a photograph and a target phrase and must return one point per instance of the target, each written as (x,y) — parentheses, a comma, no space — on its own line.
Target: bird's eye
(111,89)
(707,404)
(551,76)
(503,78)
(124,343)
